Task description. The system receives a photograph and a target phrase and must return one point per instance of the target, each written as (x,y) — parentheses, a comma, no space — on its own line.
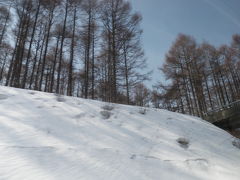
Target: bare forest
(201,77)
(84,48)
(93,49)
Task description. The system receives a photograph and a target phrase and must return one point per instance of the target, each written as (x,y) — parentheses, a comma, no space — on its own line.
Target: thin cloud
(224,12)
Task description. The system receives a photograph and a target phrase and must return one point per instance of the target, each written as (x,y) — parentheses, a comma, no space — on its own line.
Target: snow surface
(47,137)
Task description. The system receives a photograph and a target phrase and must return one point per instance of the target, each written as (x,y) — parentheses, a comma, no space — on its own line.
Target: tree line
(83,48)
(92,49)
(201,77)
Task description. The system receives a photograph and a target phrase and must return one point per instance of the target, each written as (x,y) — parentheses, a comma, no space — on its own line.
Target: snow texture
(44,136)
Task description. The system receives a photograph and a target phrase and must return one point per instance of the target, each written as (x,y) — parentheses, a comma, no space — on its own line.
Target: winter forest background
(93,49)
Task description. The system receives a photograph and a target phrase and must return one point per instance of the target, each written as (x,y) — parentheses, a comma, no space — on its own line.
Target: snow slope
(46,137)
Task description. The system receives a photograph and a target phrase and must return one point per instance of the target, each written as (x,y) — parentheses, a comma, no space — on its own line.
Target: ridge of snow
(45,136)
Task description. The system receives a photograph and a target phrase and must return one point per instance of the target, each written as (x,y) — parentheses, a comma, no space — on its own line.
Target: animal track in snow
(81,115)
(133,156)
(198,163)
(3,96)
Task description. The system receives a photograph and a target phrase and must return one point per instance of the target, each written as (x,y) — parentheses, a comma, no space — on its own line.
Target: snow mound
(44,136)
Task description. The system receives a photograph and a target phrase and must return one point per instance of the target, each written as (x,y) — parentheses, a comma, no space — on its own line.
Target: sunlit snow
(47,137)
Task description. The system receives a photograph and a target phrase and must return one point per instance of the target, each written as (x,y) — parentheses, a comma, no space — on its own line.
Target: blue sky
(214,21)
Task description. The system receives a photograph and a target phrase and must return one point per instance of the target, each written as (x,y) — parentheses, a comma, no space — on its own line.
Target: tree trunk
(70,75)
(46,48)
(61,48)
(30,47)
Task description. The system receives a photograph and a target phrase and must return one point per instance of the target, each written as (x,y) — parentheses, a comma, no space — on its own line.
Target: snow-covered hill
(46,137)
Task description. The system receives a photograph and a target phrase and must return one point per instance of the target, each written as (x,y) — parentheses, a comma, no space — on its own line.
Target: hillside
(44,136)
